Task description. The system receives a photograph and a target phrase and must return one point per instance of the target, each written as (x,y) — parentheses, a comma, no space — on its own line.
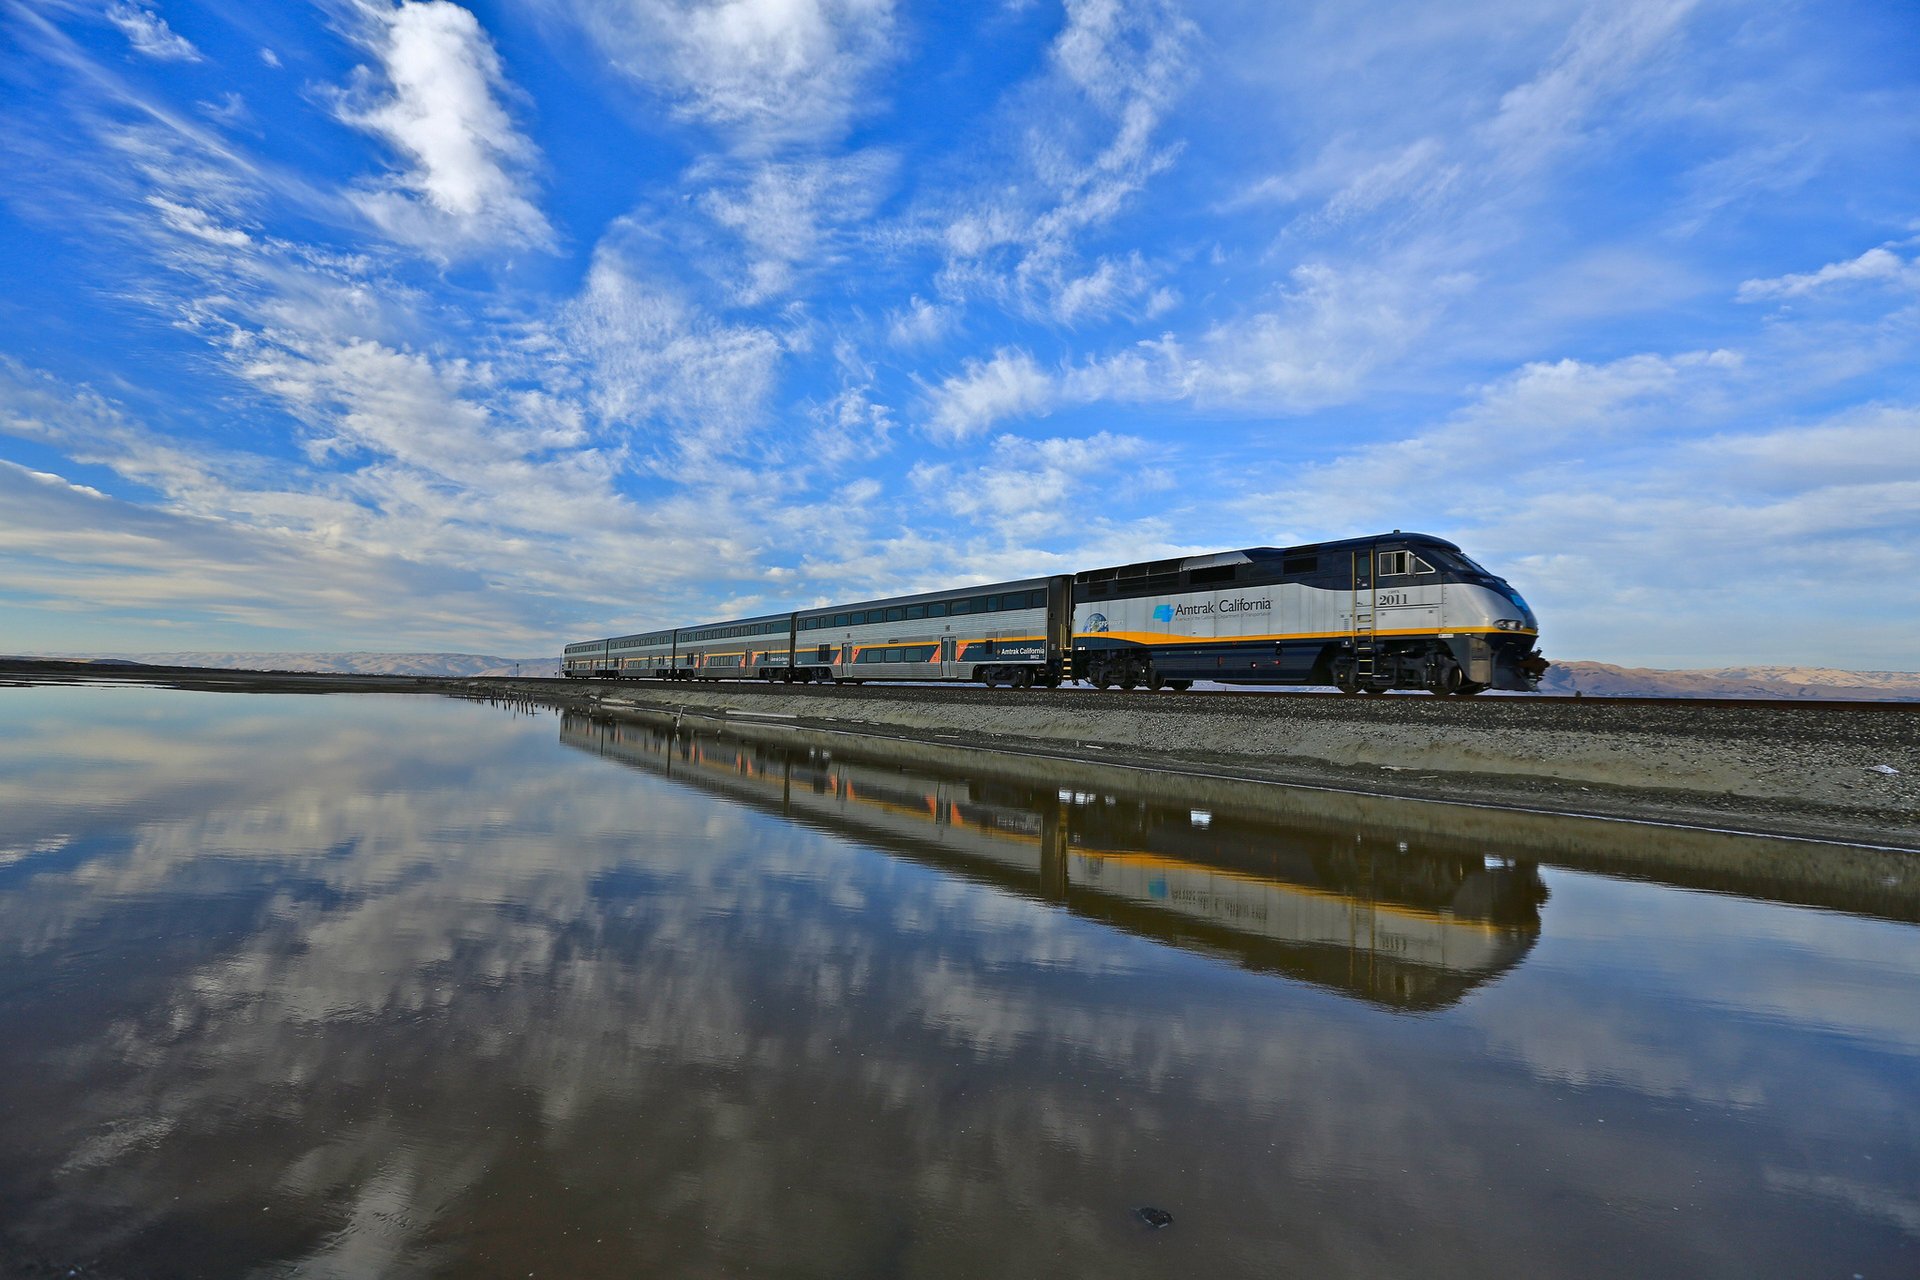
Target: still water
(371,986)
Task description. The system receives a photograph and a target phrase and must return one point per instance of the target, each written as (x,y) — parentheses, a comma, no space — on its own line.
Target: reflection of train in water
(1404,928)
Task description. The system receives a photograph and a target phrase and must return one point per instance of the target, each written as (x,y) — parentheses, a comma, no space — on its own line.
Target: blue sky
(355,325)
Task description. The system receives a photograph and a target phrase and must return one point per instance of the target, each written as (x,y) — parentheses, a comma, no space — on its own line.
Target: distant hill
(369,664)
(1601,679)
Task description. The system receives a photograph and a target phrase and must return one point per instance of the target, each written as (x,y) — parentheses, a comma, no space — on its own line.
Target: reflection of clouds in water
(1704,997)
(477,979)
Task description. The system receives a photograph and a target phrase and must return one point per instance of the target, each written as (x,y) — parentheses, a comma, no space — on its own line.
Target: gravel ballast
(1848,773)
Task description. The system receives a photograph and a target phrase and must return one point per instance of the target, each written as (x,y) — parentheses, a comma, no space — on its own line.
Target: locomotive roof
(1344,544)
(1248,554)
(982,588)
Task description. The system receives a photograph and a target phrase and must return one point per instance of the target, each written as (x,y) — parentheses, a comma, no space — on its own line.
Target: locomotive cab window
(1421,566)
(1395,563)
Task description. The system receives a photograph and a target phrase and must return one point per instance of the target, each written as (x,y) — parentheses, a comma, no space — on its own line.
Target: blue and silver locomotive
(1397,611)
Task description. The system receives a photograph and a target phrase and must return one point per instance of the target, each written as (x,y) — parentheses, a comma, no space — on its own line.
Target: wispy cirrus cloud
(1875,266)
(764,72)
(436,99)
(150,35)
(1087,135)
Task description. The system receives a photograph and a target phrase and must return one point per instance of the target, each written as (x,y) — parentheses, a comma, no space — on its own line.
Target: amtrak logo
(1097,622)
(1163,613)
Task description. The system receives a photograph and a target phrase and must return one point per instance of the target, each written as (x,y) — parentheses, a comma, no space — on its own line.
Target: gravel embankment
(1790,768)
(1849,772)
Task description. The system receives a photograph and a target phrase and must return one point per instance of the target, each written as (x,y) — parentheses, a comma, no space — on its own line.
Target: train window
(1211,573)
(839,619)
(1300,564)
(993,604)
(1037,599)
(1393,563)
(1421,566)
(938,609)
(959,607)
(916,611)
(895,614)
(979,604)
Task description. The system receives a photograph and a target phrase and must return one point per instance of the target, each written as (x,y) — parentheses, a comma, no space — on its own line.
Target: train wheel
(1023,679)
(1101,679)
(1468,690)
(1179,686)
(1374,689)
(1447,679)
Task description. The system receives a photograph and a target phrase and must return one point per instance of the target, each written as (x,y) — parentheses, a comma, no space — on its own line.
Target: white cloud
(1608,46)
(1875,265)
(1334,328)
(70,548)
(1332,331)
(787,214)
(198,223)
(1603,492)
(766,71)
(662,371)
(436,103)
(988,391)
(1115,71)
(920,322)
(269,57)
(149,34)
(1030,489)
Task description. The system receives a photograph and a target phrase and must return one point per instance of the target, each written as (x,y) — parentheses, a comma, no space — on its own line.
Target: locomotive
(1364,615)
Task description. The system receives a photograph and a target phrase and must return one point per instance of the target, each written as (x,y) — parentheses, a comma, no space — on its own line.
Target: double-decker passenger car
(1004,633)
(1396,611)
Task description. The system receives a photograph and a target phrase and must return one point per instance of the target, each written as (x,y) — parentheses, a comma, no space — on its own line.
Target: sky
(355,325)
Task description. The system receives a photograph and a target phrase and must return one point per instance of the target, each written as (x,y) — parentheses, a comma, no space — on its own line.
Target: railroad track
(969,693)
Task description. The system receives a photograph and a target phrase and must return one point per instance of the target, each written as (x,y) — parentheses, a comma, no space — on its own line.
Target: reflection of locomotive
(1403,928)
(1396,611)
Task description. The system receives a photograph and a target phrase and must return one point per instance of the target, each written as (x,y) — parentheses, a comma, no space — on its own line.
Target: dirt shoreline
(1795,769)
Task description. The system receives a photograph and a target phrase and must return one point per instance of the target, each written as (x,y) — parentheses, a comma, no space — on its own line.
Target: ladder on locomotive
(1365,629)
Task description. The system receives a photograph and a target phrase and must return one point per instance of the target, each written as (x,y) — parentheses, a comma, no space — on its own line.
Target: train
(1362,615)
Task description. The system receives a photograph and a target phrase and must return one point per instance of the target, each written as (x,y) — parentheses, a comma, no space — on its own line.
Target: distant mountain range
(1594,679)
(364,664)
(1601,679)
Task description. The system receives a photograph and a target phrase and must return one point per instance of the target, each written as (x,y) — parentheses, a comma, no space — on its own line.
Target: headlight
(1509,624)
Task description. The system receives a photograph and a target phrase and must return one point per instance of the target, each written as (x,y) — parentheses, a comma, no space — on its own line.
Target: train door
(949,658)
(846,658)
(1060,620)
(1362,616)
